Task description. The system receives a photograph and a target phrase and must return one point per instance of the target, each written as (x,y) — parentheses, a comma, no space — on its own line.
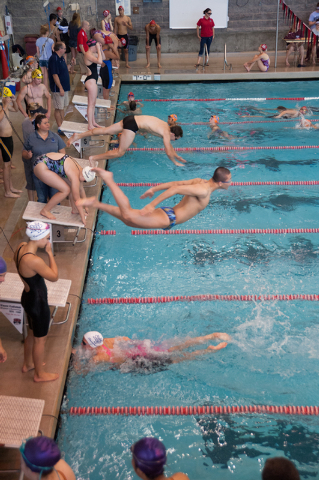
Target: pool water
(273,356)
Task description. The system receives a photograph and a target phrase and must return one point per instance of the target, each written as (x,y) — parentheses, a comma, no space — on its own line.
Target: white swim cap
(94,339)
(88,174)
(37,230)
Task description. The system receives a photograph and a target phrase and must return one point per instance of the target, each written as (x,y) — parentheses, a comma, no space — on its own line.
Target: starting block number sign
(77,145)
(142,77)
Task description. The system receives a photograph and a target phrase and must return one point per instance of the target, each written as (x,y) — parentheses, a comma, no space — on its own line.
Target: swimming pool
(273,359)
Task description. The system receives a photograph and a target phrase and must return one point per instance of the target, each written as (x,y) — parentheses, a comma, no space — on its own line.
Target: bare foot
(147,65)
(27,368)
(159,65)
(11,195)
(247,67)
(218,347)
(13,166)
(127,66)
(15,190)
(47,214)
(96,125)
(46,377)
(72,139)
(287,64)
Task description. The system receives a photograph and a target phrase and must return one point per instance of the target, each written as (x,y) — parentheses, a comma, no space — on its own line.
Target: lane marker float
(224,148)
(250,99)
(276,231)
(302,182)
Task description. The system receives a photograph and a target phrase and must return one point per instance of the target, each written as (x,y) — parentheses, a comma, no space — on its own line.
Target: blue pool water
(273,358)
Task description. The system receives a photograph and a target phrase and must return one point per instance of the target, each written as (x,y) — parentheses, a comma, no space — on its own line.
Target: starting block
(73,127)
(65,222)
(99,85)
(81,104)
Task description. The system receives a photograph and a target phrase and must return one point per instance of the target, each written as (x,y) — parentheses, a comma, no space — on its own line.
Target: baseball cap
(37,73)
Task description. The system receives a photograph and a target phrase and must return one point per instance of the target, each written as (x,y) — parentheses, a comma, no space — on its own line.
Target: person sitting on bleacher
(294,34)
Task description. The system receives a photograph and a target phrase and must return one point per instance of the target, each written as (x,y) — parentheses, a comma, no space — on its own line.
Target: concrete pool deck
(72,260)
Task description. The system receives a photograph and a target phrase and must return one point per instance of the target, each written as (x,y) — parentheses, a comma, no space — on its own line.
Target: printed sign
(142,77)
(76,144)
(83,109)
(14,313)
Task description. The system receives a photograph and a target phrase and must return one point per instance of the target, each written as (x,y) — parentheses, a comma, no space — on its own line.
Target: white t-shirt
(45,47)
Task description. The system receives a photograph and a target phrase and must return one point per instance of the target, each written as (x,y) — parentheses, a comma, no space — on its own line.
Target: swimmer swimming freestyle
(196,195)
(143,353)
(215,130)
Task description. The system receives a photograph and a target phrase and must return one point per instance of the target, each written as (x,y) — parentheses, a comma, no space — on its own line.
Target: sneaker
(60,132)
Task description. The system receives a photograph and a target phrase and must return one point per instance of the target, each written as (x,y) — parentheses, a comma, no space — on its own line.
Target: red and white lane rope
(196,410)
(202,298)
(302,182)
(235,231)
(250,99)
(107,232)
(224,148)
(251,121)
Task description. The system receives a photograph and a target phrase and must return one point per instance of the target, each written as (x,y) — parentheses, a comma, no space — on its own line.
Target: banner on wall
(126,4)
(14,313)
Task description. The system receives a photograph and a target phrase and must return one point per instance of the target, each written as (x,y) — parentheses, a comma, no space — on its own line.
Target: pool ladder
(230,66)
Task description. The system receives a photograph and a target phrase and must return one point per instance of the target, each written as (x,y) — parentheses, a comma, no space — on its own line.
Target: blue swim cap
(150,456)
(40,454)
(3,266)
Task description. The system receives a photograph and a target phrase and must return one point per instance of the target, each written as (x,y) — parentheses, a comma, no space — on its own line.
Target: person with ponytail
(149,458)
(41,459)
(207,34)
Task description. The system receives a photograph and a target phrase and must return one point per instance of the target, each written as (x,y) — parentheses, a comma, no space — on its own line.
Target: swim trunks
(6,147)
(56,166)
(171,215)
(153,36)
(129,123)
(126,38)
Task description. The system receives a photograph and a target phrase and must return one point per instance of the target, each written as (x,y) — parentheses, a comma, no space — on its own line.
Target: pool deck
(72,260)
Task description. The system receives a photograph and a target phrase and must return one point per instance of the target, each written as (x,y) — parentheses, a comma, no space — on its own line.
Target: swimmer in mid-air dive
(144,353)
(129,126)
(196,195)
(215,130)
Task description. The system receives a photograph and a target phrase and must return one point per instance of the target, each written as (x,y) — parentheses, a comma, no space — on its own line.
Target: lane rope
(202,298)
(302,182)
(236,231)
(250,99)
(223,148)
(196,410)
(251,121)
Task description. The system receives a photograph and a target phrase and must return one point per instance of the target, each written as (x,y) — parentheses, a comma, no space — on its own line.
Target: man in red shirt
(82,46)
(207,33)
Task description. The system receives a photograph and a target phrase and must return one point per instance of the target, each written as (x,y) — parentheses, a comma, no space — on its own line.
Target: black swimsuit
(35,302)
(94,74)
(129,123)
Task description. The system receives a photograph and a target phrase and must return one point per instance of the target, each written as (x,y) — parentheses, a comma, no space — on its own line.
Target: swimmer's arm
(189,190)
(170,152)
(140,104)
(164,186)
(20,98)
(75,190)
(48,97)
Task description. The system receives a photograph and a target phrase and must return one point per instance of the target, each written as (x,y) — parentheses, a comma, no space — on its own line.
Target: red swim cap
(131,94)
(123,41)
(106,13)
(108,40)
(152,22)
(263,46)
(121,8)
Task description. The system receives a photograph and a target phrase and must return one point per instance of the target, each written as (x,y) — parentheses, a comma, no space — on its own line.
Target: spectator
(9,104)
(152,31)
(41,458)
(33,271)
(63,27)
(121,24)
(40,142)
(53,27)
(314,17)
(261,58)
(34,93)
(207,33)
(149,458)
(59,83)
(315,31)
(294,34)
(3,271)
(279,468)
(92,61)
(74,28)
(82,46)
(44,51)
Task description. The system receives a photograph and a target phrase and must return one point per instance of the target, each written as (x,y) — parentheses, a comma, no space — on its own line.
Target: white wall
(186,13)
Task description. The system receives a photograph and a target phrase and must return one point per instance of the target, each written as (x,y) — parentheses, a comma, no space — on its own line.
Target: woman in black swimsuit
(92,58)
(33,271)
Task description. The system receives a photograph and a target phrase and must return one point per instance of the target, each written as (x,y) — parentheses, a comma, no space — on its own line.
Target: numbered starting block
(80,145)
(99,86)
(101,106)
(64,229)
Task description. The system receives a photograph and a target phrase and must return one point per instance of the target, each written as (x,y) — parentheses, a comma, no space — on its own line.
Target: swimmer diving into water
(129,126)
(143,353)
(196,195)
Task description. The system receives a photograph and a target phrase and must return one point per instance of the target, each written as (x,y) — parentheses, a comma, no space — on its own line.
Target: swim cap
(263,46)
(3,266)
(150,456)
(174,117)
(40,453)
(6,92)
(152,22)
(131,94)
(37,230)
(106,13)
(94,339)
(30,58)
(121,8)
(59,8)
(37,73)
(88,174)
(108,40)
(304,108)
(123,42)
(91,42)
(215,119)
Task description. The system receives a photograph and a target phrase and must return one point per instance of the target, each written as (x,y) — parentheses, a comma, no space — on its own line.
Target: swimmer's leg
(197,353)
(261,66)
(197,340)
